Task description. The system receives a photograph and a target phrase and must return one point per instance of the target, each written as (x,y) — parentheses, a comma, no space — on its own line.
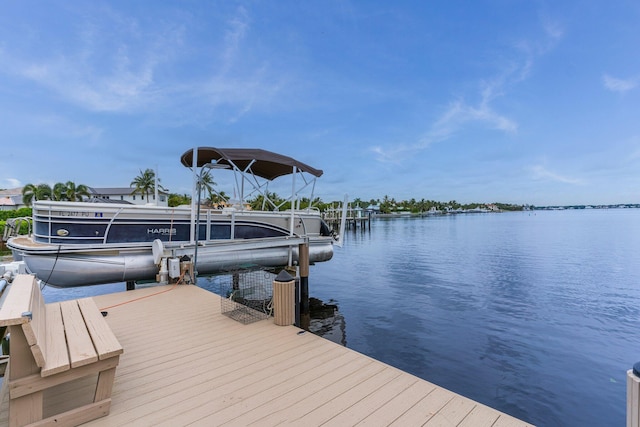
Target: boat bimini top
(262,163)
(252,163)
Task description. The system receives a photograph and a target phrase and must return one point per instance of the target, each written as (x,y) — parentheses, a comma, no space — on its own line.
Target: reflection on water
(327,321)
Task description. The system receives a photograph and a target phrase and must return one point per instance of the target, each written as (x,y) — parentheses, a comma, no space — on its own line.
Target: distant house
(125,194)
(374,209)
(11,199)
(7,203)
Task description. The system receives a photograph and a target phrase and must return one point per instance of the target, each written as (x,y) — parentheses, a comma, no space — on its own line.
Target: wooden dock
(354,218)
(185,363)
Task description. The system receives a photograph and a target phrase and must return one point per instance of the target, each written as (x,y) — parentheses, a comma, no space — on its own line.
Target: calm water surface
(534,313)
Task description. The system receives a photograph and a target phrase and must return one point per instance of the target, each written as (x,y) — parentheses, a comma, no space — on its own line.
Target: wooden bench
(53,346)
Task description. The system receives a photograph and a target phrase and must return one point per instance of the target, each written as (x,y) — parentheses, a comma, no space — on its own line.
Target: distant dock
(355,218)
(184,362)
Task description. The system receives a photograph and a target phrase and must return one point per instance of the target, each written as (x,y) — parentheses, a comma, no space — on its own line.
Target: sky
(512,101)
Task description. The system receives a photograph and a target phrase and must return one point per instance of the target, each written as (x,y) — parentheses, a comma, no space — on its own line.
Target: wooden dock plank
(225,377)
(276,410)
(509,421)
(186,363)
(297,412)
(398,405)
(453,412)
(163,361)
(425,409)
(361,410)
(480,416)
(347,398)
(235,403)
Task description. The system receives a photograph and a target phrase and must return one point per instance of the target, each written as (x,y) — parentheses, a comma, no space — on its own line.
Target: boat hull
(60,266)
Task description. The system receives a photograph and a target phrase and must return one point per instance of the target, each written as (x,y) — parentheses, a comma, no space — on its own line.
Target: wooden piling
(297,300)
(303,262)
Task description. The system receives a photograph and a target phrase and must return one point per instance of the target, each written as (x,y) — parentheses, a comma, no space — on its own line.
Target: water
(533,313)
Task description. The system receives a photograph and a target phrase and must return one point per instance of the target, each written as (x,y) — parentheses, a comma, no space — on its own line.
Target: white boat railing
(106,231)
(13,225)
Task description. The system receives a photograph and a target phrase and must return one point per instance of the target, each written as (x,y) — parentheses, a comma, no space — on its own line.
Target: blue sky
(479,101)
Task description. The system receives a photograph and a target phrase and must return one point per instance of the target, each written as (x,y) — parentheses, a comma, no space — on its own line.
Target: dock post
(633,396)
(131,285)
(297,301)
(303,261)
(283,299)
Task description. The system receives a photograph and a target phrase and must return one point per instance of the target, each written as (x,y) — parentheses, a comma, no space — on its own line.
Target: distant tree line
(389,205)
(386,204)
(60,191)
(145,184)
(271,202)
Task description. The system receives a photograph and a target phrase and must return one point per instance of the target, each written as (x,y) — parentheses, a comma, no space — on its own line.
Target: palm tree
(32,192)
(385,206)
(179,199)
(207,183)
(76,192)
(145,183)
(60,191)
(270,202)
(29,194)
(219,197)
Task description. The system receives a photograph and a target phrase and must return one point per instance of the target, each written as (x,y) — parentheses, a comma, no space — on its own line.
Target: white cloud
(238,26)
(114,63)
(619,85)
(460,113)
(63,128)
(243,80)
(10,183)
(108,64)
(553,30)
(542,173)
(87,86)
(457,115)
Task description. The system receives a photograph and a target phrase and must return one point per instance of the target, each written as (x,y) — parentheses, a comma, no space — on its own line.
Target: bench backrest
(24,306)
